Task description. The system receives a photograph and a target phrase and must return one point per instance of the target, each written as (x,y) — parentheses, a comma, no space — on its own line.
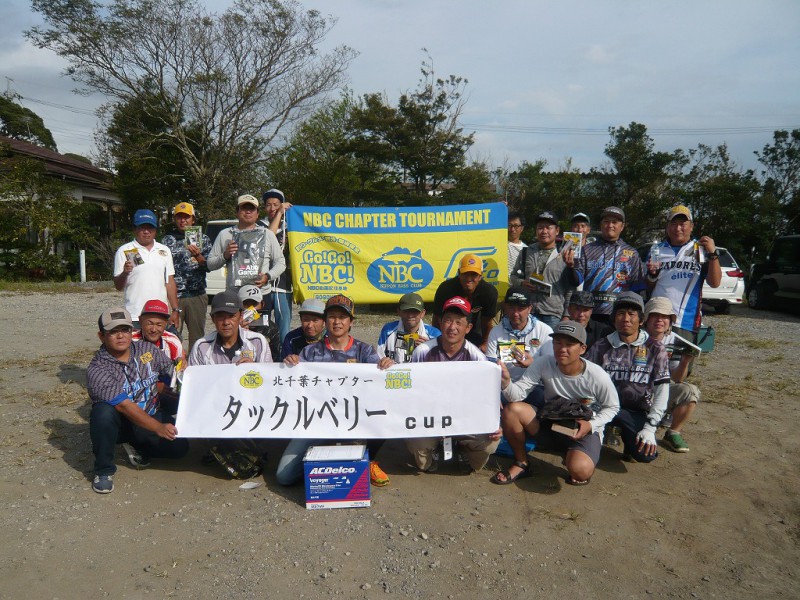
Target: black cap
(518,295)
(582,299)
(227,302)
(547,215)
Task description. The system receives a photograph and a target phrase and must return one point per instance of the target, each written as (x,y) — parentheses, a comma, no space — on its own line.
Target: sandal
(577,482)
(507,479)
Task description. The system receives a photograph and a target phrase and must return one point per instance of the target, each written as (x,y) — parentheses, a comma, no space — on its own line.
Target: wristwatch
(713,255)
(177,310)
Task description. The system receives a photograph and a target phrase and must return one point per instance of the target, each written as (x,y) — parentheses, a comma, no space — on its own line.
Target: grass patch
(774,358)
(756,343)
(55,287)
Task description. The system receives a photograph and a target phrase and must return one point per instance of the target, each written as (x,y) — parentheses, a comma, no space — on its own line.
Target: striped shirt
(112,381)
(432,351)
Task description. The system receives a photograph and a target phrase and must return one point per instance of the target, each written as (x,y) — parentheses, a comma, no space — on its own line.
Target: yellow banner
(375,255)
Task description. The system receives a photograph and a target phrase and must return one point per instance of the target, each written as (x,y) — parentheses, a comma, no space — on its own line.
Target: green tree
(23,124)
(420,140)
(36,214)
(639,179)
(223,86)
(781,173)
(317,168)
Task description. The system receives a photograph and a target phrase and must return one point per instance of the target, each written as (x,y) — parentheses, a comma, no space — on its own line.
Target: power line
(582,131)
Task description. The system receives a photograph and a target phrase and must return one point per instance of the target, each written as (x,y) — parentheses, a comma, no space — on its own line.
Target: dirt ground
(718,522)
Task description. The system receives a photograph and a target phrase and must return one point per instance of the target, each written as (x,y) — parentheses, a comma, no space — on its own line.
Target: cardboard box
(337,477)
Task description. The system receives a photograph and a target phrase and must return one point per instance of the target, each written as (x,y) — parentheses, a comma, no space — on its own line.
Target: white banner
(339,400)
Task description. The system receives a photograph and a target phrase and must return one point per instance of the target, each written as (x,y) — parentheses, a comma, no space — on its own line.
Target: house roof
(61,166)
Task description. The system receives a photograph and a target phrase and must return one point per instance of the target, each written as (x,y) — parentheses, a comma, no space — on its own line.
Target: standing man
(682,265)
(311,330)
(250,251)
(639,368)
(399,339)
(608,266)
(453,345)
(566,375)
(543,272)
(277,206)
(580,224)
(190,271)
(516,225)
(482,297)
(143,269)
(126,381)
(659,315)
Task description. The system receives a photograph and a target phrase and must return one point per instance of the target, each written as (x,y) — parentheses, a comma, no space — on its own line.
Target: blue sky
(546,79)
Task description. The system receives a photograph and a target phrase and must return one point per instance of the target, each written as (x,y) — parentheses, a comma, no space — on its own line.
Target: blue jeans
(550,320)
(282,312)
(630,423)
(290,466)
(109,427)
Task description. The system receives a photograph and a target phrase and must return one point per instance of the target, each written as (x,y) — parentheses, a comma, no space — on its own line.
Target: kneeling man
(127,382)
(452,345)
(566,376)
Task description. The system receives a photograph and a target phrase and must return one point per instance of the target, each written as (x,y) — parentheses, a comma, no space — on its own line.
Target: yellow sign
(251,380)
(378,254)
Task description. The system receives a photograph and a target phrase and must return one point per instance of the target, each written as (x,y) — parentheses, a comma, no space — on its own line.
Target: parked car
(731,287)
(777,279)
(215,280)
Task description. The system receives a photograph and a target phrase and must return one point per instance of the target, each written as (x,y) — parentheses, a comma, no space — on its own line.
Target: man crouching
(127,382)
(567,378)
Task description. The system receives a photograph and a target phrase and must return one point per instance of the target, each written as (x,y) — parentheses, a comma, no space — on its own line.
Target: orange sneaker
(376,475)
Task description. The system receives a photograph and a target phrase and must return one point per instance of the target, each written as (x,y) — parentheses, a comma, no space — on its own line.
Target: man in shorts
(399,339)
(452,345)
(566,375)
(659,316)
(128,384)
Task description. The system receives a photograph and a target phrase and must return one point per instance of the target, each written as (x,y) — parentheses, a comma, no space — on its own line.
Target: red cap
(156,307)
(458,303)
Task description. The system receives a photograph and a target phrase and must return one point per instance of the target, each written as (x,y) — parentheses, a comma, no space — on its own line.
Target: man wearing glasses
(128,383)
(250,251)
(516,224)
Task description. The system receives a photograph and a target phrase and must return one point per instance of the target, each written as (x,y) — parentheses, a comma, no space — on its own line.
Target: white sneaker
(136,458)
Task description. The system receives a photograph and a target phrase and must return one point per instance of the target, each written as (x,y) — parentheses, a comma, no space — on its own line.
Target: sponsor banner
(376,255)
(339,400)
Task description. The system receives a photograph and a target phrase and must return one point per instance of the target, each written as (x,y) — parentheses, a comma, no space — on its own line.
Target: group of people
(579,349)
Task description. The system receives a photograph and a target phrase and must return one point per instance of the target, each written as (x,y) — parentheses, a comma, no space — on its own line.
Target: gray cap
(628,299)
(115,317)
(312,306)
(570,329)
(582,299)
(227,302)
(613,211)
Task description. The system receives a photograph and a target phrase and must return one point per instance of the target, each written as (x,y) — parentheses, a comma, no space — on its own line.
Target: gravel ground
(721,521)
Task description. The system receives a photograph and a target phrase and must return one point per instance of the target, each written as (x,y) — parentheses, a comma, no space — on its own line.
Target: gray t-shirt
(593,387)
